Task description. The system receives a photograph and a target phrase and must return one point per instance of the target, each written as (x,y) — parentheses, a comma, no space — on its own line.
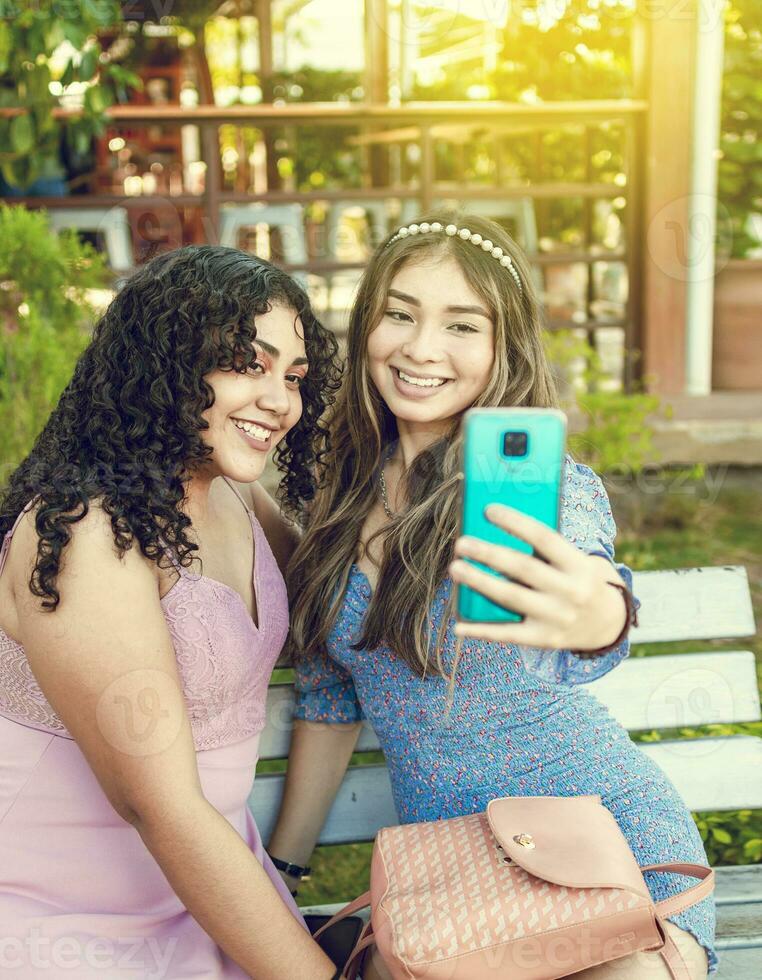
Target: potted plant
(44,48)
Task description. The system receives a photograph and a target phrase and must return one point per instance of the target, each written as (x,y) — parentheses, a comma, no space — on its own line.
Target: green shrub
(729,836)
(44,323)
(734,837)
(617,434)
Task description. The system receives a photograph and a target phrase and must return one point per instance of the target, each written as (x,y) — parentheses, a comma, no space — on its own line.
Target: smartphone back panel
(514,457)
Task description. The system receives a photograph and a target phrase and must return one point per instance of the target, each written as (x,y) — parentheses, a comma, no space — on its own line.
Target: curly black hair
(126,428)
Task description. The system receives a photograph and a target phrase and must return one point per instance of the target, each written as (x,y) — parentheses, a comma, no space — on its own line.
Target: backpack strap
(362,902)
(366,939)
(670,952)
(692,895)
(673,958)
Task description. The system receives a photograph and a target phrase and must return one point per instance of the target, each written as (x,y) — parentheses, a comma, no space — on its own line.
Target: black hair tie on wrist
(631,619)
(293,870)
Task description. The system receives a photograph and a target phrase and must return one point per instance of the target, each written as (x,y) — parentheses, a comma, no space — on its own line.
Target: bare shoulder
(90,552)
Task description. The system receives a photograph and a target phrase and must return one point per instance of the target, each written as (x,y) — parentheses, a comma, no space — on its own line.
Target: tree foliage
(318,155)
(34,39)
(45,314)
(581,49)
(740,167)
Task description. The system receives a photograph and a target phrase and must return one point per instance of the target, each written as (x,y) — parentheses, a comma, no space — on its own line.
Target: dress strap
(253,520)
(237,492)
(171,555)
(9,534)
(173,558)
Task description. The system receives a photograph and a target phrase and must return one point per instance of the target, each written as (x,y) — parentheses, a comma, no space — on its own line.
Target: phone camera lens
(515,443)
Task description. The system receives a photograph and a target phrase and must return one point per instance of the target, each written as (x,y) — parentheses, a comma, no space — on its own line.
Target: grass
(685,526)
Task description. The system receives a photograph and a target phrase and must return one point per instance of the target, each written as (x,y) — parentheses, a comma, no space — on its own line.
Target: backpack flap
(572,841)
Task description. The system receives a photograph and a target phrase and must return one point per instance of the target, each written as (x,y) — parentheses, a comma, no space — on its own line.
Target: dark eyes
(400,316)
(257,368)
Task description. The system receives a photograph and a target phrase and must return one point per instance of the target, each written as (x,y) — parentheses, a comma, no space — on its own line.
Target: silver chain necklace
(384,499)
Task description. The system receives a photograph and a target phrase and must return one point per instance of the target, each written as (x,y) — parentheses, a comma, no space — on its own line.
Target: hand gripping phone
(511,456)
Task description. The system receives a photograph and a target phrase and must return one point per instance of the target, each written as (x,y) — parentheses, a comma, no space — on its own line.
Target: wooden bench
(643,693)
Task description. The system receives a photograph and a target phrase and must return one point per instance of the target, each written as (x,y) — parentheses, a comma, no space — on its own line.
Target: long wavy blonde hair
(418,542)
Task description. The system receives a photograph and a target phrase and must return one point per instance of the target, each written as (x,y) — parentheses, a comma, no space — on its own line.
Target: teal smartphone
(511,456)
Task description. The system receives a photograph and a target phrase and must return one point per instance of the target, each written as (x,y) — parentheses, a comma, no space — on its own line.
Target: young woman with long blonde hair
(446,318)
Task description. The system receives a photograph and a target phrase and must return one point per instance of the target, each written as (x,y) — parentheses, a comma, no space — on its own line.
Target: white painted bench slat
(693,604)
(723,773)
(681,690)
(740,964)
(736,885)
(667,691)
(709,773)
(738,895)
(739,926)
(362,805)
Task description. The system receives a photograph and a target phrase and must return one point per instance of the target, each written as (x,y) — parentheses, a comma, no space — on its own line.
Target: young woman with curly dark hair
(137,634)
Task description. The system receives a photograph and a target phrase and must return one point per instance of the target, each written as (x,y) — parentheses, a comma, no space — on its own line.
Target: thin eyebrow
(404,297)
(469,309)
(449,309)
(274,352)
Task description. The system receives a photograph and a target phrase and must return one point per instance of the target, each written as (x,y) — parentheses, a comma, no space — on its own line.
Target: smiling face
(431,354)
(252,412)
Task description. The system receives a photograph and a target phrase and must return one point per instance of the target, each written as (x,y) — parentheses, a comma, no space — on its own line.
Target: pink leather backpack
(536,888)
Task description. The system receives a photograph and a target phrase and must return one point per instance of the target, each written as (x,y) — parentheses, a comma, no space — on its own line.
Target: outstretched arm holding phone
(567,600)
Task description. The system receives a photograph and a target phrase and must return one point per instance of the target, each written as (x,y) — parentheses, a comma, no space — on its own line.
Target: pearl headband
(467,236)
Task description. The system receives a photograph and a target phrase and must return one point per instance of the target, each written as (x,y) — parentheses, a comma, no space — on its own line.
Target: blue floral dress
(521,723)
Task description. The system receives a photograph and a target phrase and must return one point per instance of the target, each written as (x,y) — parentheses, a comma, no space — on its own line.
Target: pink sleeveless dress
(80,894)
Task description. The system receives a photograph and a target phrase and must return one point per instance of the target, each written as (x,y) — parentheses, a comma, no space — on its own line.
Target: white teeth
(421,382)
(255,431)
